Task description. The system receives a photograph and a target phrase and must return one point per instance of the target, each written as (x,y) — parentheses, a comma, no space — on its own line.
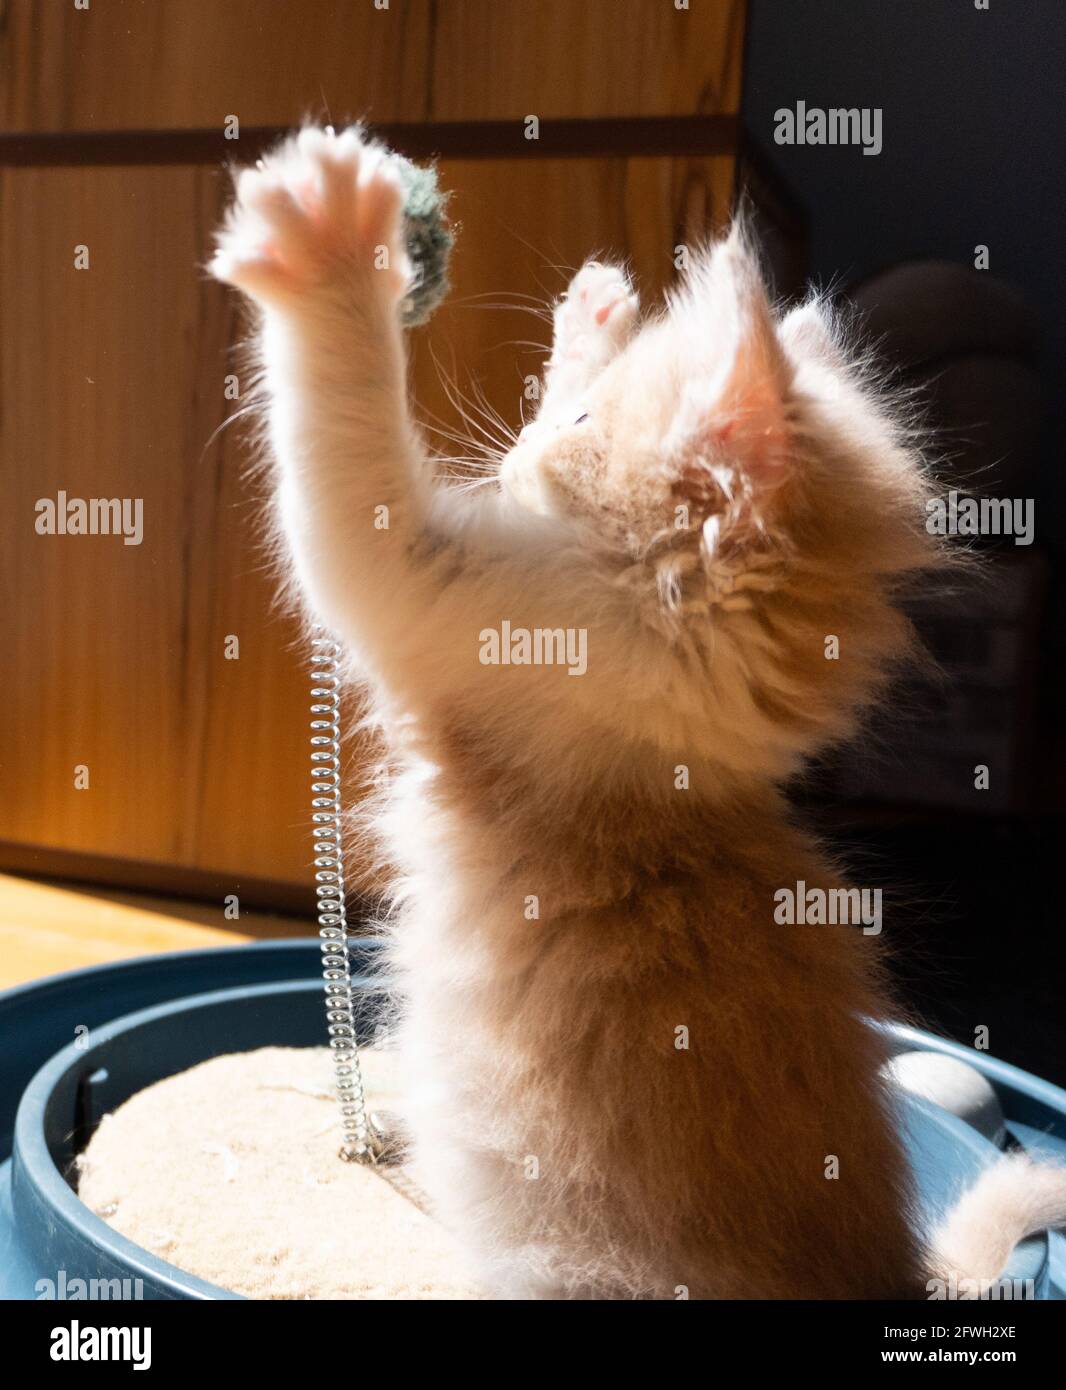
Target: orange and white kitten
(631,1080)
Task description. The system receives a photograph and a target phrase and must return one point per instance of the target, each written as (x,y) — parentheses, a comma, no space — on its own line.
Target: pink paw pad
(596,315)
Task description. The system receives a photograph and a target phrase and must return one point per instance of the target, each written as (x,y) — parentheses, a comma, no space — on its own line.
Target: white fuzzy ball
(955,1086)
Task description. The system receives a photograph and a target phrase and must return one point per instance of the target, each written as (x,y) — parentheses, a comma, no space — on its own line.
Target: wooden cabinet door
(154,694)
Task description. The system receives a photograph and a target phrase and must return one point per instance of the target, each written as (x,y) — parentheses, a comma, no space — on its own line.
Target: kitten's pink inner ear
(751,415)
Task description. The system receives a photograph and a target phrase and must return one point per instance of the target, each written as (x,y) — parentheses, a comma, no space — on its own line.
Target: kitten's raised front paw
(595,317)
(318,209)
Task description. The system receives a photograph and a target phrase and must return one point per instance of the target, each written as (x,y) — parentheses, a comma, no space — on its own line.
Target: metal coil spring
(358,1144)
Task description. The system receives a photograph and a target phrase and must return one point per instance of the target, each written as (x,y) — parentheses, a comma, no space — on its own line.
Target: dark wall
(973,151)
(973,138)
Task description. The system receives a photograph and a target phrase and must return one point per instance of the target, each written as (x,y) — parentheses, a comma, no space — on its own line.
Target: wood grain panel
(523,229)
(512,58)
(112,380)
(88,408)
(173,63)
(127,63)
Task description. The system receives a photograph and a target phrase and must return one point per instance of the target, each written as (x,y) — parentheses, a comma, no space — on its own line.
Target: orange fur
(708,496)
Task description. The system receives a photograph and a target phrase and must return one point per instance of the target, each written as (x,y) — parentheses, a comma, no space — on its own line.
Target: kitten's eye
(581,418)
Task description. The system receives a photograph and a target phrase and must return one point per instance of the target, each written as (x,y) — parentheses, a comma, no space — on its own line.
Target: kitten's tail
(1014,1198)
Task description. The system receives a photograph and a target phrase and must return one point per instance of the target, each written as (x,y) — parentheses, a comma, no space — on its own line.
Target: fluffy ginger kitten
(596,675)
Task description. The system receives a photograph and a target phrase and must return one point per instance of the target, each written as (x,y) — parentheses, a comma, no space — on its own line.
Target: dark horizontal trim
(606,137)
(170,880)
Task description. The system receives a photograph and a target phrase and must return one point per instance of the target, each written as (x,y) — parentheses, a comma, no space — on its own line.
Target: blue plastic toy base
(151,1018)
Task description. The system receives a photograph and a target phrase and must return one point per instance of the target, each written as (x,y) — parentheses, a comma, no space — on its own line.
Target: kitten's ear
(808,330)
(735,413)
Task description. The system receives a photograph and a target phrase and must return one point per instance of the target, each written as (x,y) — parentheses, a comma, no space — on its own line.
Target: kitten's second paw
(596,316)
(318,209)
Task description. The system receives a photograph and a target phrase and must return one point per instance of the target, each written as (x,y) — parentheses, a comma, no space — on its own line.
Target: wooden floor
(46,927)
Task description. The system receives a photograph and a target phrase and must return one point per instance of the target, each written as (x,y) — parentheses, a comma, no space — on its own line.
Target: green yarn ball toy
(429,239)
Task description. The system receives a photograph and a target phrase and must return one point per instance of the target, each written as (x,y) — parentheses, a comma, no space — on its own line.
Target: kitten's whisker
(535,305)
(485,294)
(224,424)
(479,465)
(508,435)
(472,484)
(543,313)
(455,437)
(561,268)
(493,412)
(466,408)
(460,404)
